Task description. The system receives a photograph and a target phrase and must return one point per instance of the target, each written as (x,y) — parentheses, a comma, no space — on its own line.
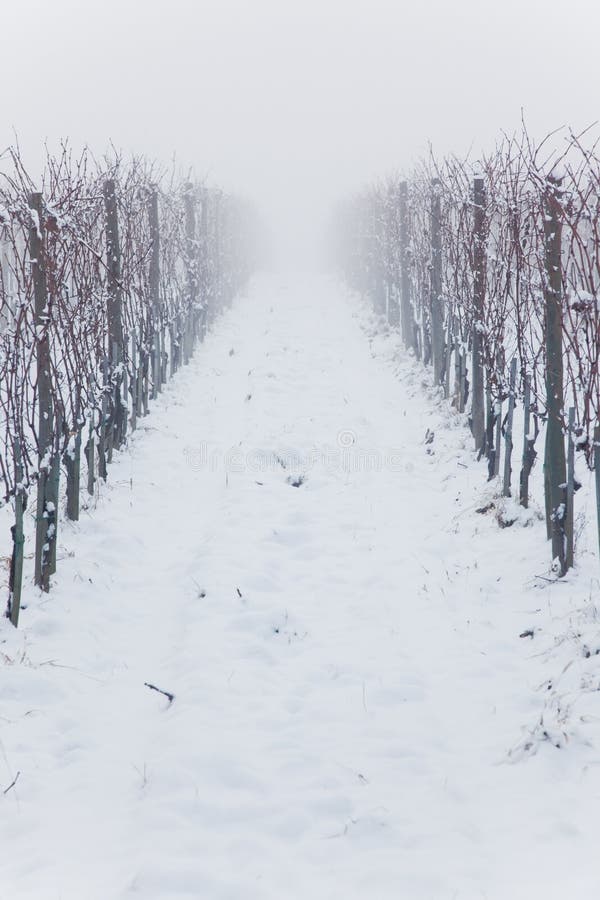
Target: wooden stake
(114,311)
(497,437)
(37,253)
(154,285)
(436,299)
(597,477)
(72,463)
(90,449)
(102,431)
(570,516)
(133,385)
(477,379)
(508,441)
(528,445)
(555,463)
(16,566)
(406,314)
(53,494)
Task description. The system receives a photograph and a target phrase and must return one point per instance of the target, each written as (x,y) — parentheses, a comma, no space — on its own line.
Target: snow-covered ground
(355,712)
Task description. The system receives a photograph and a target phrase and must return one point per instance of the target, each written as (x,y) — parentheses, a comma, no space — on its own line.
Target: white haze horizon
(292,105)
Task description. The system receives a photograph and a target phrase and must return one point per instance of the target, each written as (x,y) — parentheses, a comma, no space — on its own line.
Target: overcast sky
(293,103)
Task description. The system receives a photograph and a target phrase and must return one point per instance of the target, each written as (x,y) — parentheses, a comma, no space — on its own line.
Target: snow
(355,712)
(558,171)
(36,223)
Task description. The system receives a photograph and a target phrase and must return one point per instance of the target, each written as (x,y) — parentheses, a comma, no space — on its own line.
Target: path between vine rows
(344,652)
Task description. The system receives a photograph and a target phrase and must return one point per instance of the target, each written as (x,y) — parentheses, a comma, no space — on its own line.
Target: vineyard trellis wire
(492,272)
(110,274)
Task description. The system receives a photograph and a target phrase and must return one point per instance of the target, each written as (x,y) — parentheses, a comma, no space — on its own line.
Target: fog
(293,104)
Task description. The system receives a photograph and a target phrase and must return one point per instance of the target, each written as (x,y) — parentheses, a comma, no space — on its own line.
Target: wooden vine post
(44,397)
(114,310)
(53,490)
(555,473)
(529,453)
(393,299)
(104,422)
(191,266)
(16,564)
(597,477)
(154,279)
(72,464)
(408,331)
(570,513)
(436,298)
(506,492)
(479,274)
(204,275)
